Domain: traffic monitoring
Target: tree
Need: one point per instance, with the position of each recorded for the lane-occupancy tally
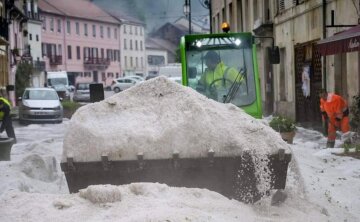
(22, 77)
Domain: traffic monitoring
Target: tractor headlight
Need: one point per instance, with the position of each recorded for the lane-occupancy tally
(237, 42)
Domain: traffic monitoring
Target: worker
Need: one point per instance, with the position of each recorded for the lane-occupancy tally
(5, 118)
(217, 75)
(334, 109)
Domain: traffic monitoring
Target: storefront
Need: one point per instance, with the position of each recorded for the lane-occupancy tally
(345, 64)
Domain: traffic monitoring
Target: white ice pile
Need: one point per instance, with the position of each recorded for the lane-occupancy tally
(160, 117)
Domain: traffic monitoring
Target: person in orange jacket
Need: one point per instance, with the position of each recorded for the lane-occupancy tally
(335, 110)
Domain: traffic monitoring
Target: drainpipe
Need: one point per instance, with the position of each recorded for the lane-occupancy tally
(65, 52)
(324, 85)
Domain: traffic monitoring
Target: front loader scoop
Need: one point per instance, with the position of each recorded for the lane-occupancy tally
(233, 177)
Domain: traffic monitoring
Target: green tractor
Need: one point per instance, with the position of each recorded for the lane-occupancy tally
(235, 51)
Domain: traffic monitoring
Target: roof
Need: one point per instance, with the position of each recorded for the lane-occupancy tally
(157, 43)
(76, 8)
(346, 41)
(125, 18)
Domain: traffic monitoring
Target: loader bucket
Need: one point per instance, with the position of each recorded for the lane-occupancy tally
(233, 177)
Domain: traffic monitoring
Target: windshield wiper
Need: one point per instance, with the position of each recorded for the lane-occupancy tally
(235, 86)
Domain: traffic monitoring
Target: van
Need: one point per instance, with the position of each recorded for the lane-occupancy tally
(170, 70)
(60, 82)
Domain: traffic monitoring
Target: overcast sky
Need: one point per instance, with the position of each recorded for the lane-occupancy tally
(154, 13)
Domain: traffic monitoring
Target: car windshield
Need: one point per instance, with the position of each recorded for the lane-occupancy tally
(40, 95)
(57, 81)
(83, 86)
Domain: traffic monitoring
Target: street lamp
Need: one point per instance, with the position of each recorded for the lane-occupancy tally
(187, 12)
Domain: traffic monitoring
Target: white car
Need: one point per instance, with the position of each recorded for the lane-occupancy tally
(138, 78)
(40, 105)
(122, 83)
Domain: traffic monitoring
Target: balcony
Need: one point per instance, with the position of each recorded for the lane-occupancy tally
(96, 61)
(263, 28)
(55, 59)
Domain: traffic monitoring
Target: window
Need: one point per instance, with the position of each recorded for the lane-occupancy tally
(68, 27)
(77, 26)
(102, 53)
(141, 45)
(131, 44)
(30, 37)
(43, 49)
(37, 38)
(141, 31)
(124, 28)
(101, 31)
(126, 61)
(136, 30)
(59, 26)
(86, 54)
(281, 5)
(94, 30)
(136, 45)
(142, 62)
(78, 56)
(118, 55)
(137, 62)
(130, 29)
(125, 45)
(85, 29)
(59, 50)
(109, 32)
(156, 60)
(115, 33)
(69, 51)
(43, 20)
(52, 24)
(109, 54)
(131, 61)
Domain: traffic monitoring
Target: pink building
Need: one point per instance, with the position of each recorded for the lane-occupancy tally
(80, 38)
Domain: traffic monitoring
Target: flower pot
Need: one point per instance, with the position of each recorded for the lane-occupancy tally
(5, 148)
(288, 136)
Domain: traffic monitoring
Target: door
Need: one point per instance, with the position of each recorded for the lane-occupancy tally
(95, 76)
(308, 106)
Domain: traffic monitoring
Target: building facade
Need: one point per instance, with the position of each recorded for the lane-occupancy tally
(132, 45)
(156, 56)
(76, 41)
(32, 42)
(297, 27)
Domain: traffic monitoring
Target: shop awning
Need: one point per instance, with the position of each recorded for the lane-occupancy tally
(346, 41)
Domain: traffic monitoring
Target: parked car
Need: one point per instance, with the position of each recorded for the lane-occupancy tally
(138, 78)
(40, 105)
(151, 75)
(82, 92)
(122, 83)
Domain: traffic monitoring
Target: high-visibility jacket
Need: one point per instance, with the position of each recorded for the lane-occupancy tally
(221, 71)
(334, 106)
(6, 102)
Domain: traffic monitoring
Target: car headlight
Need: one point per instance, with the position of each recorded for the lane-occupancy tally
(25, 107)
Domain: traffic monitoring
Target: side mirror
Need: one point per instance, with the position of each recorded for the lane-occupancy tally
(192, 72)
(274, 55)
